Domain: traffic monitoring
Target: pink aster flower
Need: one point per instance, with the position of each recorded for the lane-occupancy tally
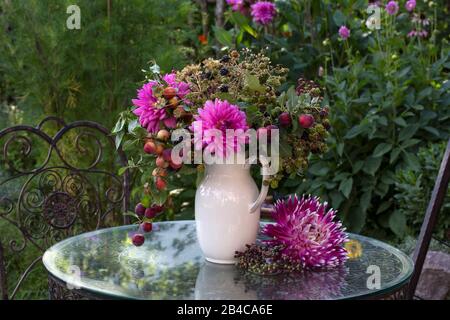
(149, 115)
(236, 5)
(392, 8)
(344, 32)
(211, 125)
(307, 232)
(410, 5)
(263, 12)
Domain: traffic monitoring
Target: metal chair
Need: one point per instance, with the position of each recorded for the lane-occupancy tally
(57, 185)
(426, 232)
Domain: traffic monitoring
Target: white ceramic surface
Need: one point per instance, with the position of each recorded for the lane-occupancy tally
(223, 204)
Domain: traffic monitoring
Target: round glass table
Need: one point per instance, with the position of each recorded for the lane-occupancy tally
(104, 264)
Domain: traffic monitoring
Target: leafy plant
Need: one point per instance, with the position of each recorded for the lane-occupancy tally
(413, 190)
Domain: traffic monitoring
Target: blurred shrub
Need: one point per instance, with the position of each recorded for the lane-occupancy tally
(89, 73)
(413, 191)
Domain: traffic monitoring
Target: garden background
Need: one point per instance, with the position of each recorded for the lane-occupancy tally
(388, 89)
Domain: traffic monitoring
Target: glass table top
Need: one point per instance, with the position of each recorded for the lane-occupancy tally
(170, 265)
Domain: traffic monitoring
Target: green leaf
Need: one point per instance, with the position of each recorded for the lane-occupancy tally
(408, 132)
(339, 18)
(340, 149)
(122, 170)
(365, 200)
(119, 138)
(371, 165)
(384, 206)
(382, 149)
(356, 219)
(355, 131)
(119, 125)
(397, 223)
(411, 160)
(133, 125)
(394, 155)
(223, 36)
(357, 166)
(155, 69)
(252, 82)
(131, 214)
(318, 169)
(346, 187)
(433, 131)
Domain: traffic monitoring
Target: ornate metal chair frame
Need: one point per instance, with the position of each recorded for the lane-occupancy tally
(60, 208)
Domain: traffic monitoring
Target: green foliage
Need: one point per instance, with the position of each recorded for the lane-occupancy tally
(413, 190)
(89, 73)
(387, 94)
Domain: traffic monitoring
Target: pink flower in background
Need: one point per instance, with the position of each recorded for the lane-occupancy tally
(182, 87)
(415, 33)
(236, 5)
(392, 8)
(216, 117)
(263, 12)
(307, 233)
(410, 5)
(344, 32)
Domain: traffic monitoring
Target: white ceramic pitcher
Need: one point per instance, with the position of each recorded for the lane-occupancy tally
(227, 211)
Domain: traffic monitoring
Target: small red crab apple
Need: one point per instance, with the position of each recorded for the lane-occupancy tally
(169, 93)
(285, 119)
(306, 121)
(161, 163)
(140, 210)
(138, 239)
(160, 183)
(163, 135)
(150, 147)
(147, 226)
(150, 213)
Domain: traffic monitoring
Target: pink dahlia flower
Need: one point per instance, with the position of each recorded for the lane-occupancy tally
(307, 233)
(344, 32)
(263, 12)
(211, 125)
(150, 116)
(392, 8)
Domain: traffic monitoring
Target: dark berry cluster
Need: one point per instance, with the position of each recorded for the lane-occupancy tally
(265, 260)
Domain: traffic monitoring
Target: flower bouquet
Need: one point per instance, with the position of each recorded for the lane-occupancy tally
(220, 117)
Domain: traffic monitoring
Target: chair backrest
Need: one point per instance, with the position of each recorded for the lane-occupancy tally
(426, 231)
(54, 185)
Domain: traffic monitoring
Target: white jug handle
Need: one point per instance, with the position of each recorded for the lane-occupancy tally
(264, 187)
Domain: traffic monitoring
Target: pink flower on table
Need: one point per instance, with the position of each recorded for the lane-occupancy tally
(211, 124)
(344, 32)
(307, 232)
(392, 8)
(236, 5)
(410, 5)
(263, 12)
